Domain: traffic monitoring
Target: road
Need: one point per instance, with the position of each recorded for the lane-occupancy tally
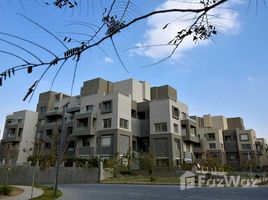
(157, 192)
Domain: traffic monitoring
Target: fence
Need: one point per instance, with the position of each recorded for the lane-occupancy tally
(22, 175)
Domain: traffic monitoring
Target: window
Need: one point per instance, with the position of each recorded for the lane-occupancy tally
(141, 115)
(178, 145)
(123, 123)
(19, 121)
(176, 128)
(244, 137)
(212, 145)
(228, 138)
(89, 108)
(82, 123)
(106, 141)
(231, 157)
(184, 115)
(175, 112)
(246, 146)
(107, 123)
(211, 136)
(71, 145)
(56, 108)
(106, 107)
(41, 122)
(20, 132)
(85, 142)
(160, 127)
(69, 130)
(43, 109)
(183, 129)
(133, 113)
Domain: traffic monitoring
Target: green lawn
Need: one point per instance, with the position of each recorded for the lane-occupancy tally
(48, 193)
(142, 180)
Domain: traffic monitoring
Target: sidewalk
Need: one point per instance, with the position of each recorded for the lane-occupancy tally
(26, 194)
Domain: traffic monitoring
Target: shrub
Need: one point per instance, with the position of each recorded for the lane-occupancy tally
(187, 166)
(5, 190)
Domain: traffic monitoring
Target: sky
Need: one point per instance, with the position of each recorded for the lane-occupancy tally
(227, 75)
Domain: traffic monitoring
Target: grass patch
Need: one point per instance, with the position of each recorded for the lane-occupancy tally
(48, 193)
(5, 190)
(142, 180)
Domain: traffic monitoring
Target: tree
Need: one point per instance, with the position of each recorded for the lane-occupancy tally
(115, 17)
(147, 163)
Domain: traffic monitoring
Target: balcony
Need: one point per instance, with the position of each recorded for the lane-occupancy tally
(189, 131)
(14, 138)
(187, 156)
(51, 125)
(86, 151)
(52, 113)
(73, 109)
(70, 152)
(84, 124)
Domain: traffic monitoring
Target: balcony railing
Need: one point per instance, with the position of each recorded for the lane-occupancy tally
(86, 151)
(187, 155)
(54, 112)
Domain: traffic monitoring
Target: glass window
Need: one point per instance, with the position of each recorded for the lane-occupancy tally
(43, 109)
(107, 123)
(123, 123)
(106, 107)
(246, 146)
(228, 138)
(106, 141)
(176, 128)
(86, 142)
(212, 145)
(175, 112)
(20, 132)
(211, 136)
(160, 127)
(89, 108)
(244, 137)
(82, 123)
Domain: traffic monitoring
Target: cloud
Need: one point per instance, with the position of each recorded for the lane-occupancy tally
(250, 78)
(108, 60)
(225, 19)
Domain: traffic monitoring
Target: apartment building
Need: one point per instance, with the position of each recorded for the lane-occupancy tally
(111, 119)
(172, 132)
(227, 140)
(262, 153)
(18, 137)
(211, 138)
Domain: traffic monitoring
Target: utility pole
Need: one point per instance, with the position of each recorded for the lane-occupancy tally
(60, 147)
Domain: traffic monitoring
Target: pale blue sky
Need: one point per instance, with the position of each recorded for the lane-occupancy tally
(227, 76)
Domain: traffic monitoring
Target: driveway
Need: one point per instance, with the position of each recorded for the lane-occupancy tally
(157, 192)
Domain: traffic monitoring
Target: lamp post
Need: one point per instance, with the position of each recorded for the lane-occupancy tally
(60, 146)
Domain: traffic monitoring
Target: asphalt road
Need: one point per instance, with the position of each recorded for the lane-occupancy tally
(157, 192)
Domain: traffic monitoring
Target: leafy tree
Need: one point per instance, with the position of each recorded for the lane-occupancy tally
(147, 163)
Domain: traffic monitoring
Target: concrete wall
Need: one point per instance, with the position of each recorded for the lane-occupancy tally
(139, 90)
(22, 175)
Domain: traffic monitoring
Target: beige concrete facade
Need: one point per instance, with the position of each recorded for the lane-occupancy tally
(18, 137)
